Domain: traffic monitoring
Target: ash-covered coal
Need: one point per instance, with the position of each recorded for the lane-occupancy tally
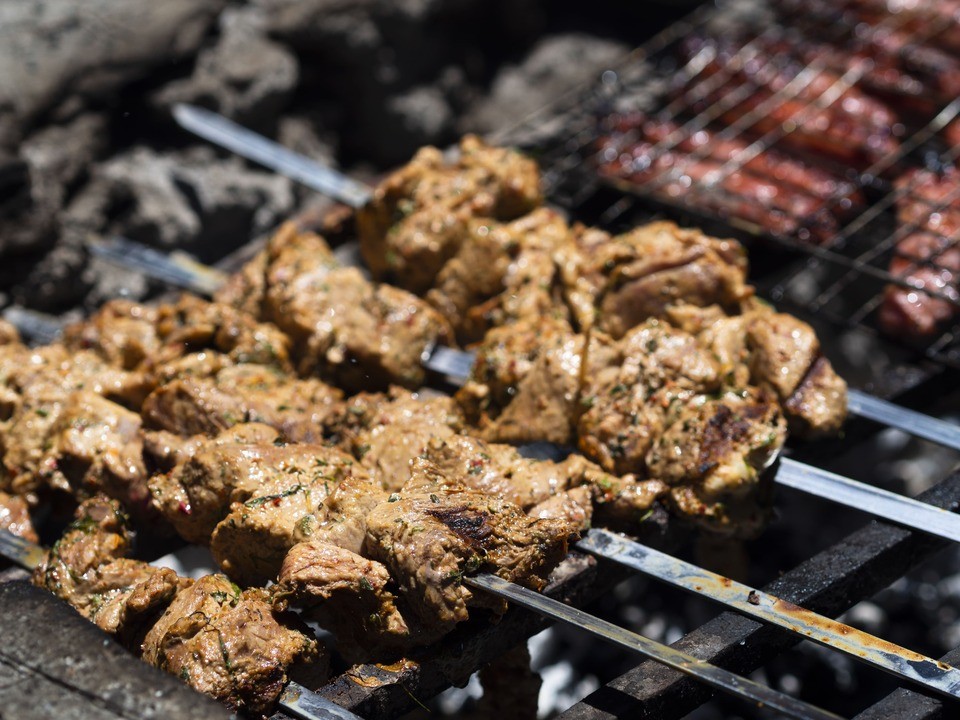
(88, 147)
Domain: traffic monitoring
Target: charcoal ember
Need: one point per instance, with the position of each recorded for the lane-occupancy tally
(245, 76)
(392, 66)
(106, 281)
(58, 51)
(59, 156)
(191, 199)
(52, 282)
(299, 133)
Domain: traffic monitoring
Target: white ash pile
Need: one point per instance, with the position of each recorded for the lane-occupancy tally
(88, 148)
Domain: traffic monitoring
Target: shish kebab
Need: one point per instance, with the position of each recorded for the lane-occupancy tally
(895, 660)
(456, 365)
(304, 703)
(248, 144)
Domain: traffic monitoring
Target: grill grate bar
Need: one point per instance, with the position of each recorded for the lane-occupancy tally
(707, 673)
(898, 661)
(828, 583)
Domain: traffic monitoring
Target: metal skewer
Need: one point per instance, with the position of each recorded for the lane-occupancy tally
(246, 143)
(711, 675)
(903, 663)
(295, 699)
(251, 145)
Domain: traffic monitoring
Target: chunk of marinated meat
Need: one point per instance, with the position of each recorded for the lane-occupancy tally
(229, 644)
(393, 432)
(193, 324)
(435, 530)
(350, 596)
(54, 369)
(574, 489)
(785, 355)
(329, 499)
(615, 283)
(354, 333)
(15, 517)
(629, 387)
(713, 454)
(503, 273)
(776, 351)
(35, 387)
(122, 332)
(525, 383)
(87, 567)
(417, 218)
(200, 493)
(572, 506)
(130, 596)
(245, 290)
(242, 394)
(163, 451)
(96, 447)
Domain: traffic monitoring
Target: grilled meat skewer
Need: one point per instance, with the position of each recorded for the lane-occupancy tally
(228, 643)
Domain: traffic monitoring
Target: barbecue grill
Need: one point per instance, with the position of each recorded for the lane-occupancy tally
(837, 287)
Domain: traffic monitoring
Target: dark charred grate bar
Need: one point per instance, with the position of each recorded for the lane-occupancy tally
(711, 120)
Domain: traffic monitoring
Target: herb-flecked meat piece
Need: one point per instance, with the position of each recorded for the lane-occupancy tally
(353, 597)
(525, 383)
(122, 332)
(503, 272)
(629, 387)
(615, 283)
(96, 447)
(574, 488)
(207, 405)
(354, 333)
(712, 455)
(778, 351)
(200, 493)
(327, 499)
(418, 217)
(129, 336)
(89, 569)
(387, 432)
(435, 529)
(35, 387)
(229, 644)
